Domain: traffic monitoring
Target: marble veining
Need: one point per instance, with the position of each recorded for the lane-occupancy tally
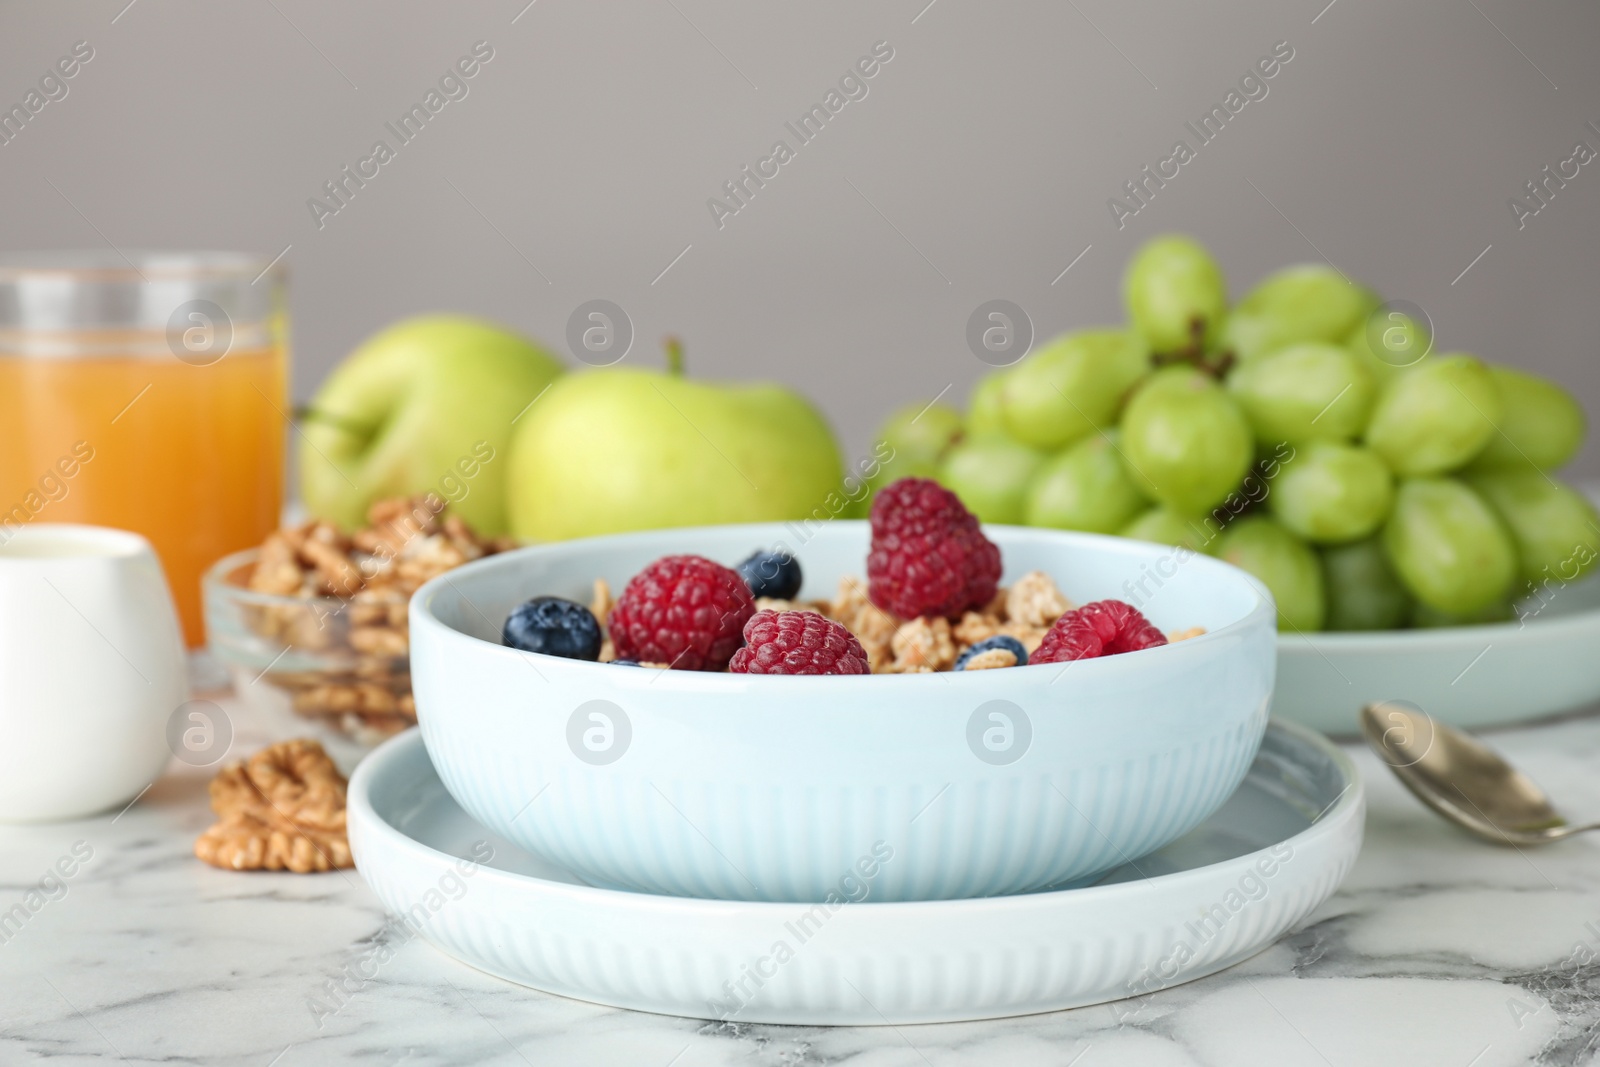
(1437, 950)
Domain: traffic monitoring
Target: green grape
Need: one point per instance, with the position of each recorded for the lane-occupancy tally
(1448, 546)
(1426, 618)
(1331, 493)
(1540, 423)
(1556, 530)
(1175, 294)
(1087, 487)
(922, 430)
(1310, 302)
(983, 407)
(1284, 564)
(1186, 440)
(914, 438)
(1388, 343)
(1436, 416)
(991, 476)
(1306, 392)
(1166, 527)
(1364, 593)
(1072, 386)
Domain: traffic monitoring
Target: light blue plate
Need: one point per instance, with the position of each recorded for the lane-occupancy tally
(1467, 676)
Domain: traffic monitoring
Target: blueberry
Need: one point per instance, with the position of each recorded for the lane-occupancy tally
(1005, 641)
(555, 627)
(624, 663)
(771, 574)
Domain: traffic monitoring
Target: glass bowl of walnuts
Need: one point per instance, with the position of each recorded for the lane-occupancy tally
(313, 622)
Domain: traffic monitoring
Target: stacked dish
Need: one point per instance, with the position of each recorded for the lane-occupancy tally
(986, 842)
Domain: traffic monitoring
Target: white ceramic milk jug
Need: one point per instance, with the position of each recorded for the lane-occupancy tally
(92, 666)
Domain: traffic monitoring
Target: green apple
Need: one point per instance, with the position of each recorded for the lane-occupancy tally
(624, 449)
(425, 405)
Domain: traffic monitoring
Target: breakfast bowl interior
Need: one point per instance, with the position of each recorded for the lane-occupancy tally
(888, 787)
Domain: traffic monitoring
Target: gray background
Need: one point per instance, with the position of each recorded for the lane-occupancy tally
(978, 166)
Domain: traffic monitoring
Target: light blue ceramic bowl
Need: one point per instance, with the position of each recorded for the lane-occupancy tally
(882, 787)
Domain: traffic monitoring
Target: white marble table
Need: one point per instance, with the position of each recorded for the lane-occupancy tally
(1438, 950)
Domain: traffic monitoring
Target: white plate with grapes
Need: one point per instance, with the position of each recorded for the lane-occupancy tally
(1398, 501)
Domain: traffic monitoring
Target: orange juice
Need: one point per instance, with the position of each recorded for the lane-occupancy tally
(189, 456)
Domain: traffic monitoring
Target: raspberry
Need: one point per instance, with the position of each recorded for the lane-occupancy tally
(1104, 628)
(797, 642)
(684, 611)
(928, 555)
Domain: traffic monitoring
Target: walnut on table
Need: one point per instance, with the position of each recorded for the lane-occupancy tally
(281, 809)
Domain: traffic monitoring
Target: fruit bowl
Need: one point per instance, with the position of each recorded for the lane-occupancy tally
(825, 789)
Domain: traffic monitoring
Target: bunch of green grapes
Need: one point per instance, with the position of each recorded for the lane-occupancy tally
(1306, 434)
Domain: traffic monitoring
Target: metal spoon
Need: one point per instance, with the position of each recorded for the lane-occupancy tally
(1462, 779)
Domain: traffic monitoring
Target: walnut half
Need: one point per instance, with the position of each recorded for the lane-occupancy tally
(282, 809)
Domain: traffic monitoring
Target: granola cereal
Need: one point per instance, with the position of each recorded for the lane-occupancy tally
(600, 603)
(1026, 610)
(923, 643)
(991, 659)
(873, 626)
(1030, 636)
(974, 627)
(1035, 601)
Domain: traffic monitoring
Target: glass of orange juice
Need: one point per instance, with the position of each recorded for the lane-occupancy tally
(146, 392)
